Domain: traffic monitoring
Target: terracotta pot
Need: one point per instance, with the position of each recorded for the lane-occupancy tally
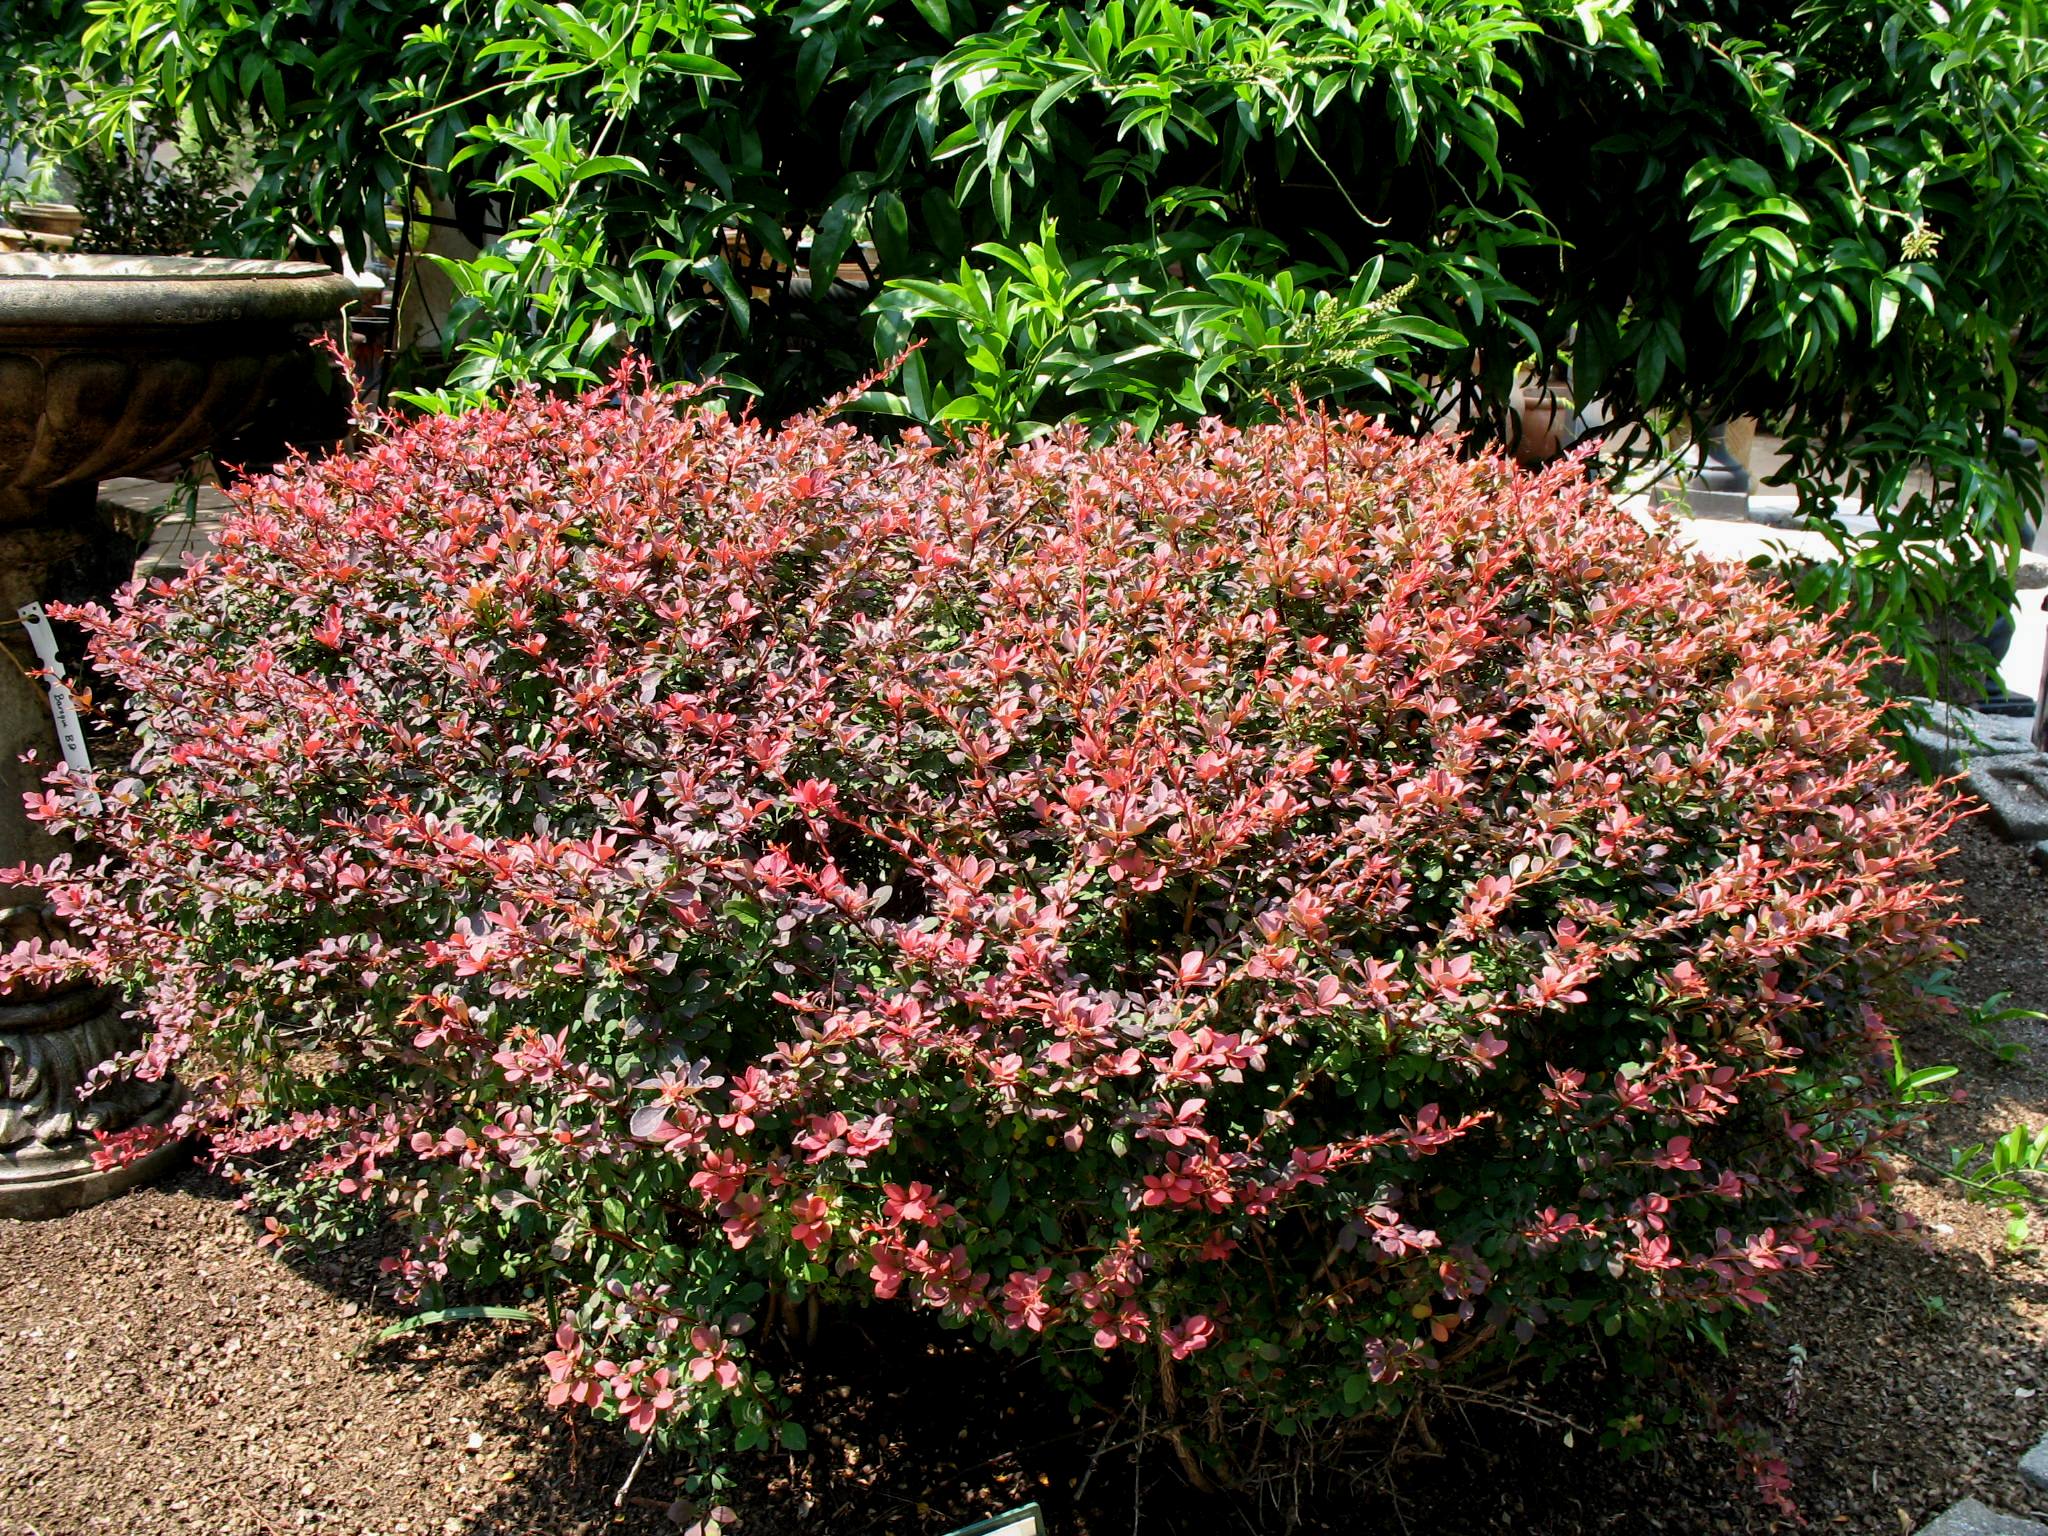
(1740, 436)
(1542, 417)
(49, 219)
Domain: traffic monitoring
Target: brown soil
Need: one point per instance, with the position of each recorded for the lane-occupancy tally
(162, 1373)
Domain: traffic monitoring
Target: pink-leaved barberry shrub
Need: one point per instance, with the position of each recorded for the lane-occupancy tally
(1289, 910)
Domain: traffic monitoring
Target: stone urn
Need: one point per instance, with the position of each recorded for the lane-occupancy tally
(109, 365)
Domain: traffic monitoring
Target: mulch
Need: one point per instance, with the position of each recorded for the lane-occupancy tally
(161, 1373)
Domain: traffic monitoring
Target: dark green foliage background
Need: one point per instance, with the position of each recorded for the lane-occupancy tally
(1829, 215)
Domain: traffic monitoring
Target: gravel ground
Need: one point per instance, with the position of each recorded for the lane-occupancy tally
(161, 1373)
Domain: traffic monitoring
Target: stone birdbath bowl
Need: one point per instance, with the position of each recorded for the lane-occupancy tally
(109, 365)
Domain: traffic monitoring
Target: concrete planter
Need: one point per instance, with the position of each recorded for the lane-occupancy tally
(108, 365)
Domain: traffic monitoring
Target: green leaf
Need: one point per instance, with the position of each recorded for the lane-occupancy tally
(814, 63)
(1416, 328)
(441, 1315)
(699, 65)
(718, 272)
(605, 165)
(889, 221)
(942, 221)
(1709, 1328)
(939, 14)
(833, 236)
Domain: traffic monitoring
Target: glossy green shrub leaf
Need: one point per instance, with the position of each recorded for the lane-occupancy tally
(1831, 216)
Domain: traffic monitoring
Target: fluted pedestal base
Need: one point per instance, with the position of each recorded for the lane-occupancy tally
(39, 1180)
(48, 1047)
(54, 546)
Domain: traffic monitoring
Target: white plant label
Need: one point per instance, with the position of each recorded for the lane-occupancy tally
(63, 709)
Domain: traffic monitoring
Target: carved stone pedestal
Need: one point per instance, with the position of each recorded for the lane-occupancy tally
(108, 366)
(47, 1145)
(54, 546)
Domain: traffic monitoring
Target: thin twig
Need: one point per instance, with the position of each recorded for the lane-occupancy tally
(1138, 1467)
(1500, 1402)
(619, 1498)
(1102, 1445)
